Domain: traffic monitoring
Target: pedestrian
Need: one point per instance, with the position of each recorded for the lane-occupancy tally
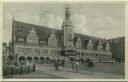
(82, 60)
(56, 65)
(21, 69)
(90, 67)
(34, 67)
(63, 63)
(60, 67)
(12, 71)
(28, 65)
(87, 60)
(77, 66)
(73, 65)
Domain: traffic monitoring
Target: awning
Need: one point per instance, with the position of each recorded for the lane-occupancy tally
(69, 50)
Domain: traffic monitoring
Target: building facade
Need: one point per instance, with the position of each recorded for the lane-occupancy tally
(39, 42)
(117, 47)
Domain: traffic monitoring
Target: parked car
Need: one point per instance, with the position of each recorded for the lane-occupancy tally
(108, 61)
(105, 61)
(95, 61)
(112, 60)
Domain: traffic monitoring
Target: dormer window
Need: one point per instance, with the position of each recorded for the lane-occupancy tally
(20, 34)
(52, 41)
(19, 28)
(78, 43)
(100, 47)
(32, 37)
(90, 45)
(107, 47)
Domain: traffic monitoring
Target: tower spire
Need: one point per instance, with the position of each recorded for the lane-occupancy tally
(67, 13)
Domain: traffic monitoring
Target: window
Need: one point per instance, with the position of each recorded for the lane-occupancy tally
(91, 54)
(110, 55)
(37, 51)
(103, 55)
(87, 54)
(70, 37)
(106, 55)
(100, 55)
(52, 51)
(95, 55)
(58, 51)
(52, 40)
(55, 52)
(28, 50)
(82, 53)
(19, 28)
(78, 53)
(20, 49)
(45, 51)
(32, 37)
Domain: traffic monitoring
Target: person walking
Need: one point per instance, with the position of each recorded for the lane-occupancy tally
(87, 60)
(77, 66)
(82, 60)
(73, 65)
(63, 63)
(60, 65)
(56, 65)
(90, 67)
(34, 67)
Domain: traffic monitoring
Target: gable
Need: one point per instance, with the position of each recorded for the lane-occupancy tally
(42, 32)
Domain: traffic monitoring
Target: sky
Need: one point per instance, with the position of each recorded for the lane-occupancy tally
(103, 20)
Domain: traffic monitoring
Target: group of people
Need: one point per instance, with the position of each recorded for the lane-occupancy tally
(75, 65)
(59, 64)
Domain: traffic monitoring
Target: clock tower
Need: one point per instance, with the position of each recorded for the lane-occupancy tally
(68, 29)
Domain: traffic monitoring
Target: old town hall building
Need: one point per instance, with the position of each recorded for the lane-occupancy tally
(36, 42)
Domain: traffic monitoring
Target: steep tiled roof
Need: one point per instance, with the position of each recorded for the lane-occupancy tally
(85, 39)
(44, 32)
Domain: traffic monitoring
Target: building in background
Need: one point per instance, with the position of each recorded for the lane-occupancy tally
(4, 48)
(33, 42)
(5, 52)
(118, 48)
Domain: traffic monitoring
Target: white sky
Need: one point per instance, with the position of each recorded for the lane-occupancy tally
(104, 20)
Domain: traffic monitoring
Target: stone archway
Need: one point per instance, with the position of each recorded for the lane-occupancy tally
(42, 59)
(22, 59)
(47, 59)
(36, 59)
(11, 57)
(71, 58)
(82, 60)
(29, 58)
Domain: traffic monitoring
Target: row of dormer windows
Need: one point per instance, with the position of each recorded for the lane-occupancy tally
(52, 41)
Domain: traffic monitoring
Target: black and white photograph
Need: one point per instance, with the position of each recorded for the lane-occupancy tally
(60, 40)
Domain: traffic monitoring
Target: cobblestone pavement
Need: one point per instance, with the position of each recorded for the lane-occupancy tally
(48, 72)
